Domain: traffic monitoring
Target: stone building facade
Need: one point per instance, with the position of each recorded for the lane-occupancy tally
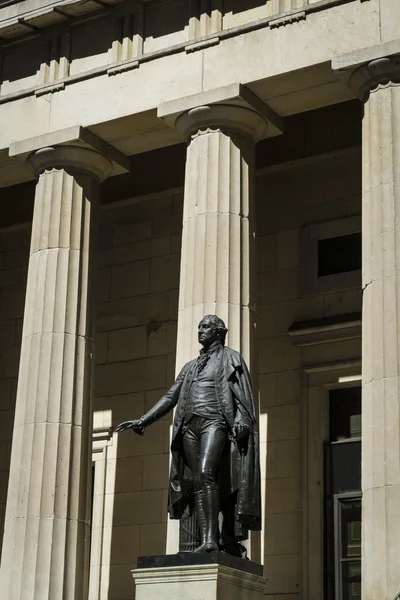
(165, 159)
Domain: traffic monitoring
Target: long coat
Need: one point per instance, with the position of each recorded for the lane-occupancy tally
(233, 388)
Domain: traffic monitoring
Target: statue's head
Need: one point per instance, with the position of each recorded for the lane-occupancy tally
(211, 329)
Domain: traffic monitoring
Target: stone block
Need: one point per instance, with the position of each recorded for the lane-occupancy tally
(270, 460)
(120, 583)
(171, 369)
(155, 472)
(12, 303)
(105, 238)
(173, 304)
(154, 441)
(267, 321)
(127, 344)
(5, 452)
(10, 240)
(132, 279)
(289, 533)
(119, 378)
(9, 362)
(136, 508)
(103, 284)
(133, 232)
(6, 424)
(347, 301)
(167, 226)
(267, 390)
(163, 339)
(270, 533)
(283, 422)
(263, 425)
(287, 457)
(275, 286)
(176, 243)
(122, 406)
(128, 473)
(125, 543)
(266, 253)
(101, 348)
(153, 539)
(3, 486)
(284, 573)
(9, 277)
(165, 273)
(132, 312)
(288, 249)
(7, 334)
(283, 495)
(289, 387)
(177, 203)
(137, 212)
(135, 251)
(16, 258)
(278, 354)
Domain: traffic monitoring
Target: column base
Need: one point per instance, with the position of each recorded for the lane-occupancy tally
(189, 576)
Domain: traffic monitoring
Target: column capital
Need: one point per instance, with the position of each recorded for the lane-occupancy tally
(225, 117)
(234, 108)
(374, 73)
(365, 70)
(66, 148)
(71, 158)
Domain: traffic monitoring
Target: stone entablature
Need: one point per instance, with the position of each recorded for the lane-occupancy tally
(129, 34)
(22, 18)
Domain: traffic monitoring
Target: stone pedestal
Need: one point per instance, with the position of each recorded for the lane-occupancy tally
(376, 85)
(45, 547)
(214, 576)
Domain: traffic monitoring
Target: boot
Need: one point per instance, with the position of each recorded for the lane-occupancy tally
(201, 520)
(210, 505)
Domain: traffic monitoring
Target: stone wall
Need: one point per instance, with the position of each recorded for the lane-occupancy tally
(136, 341)
(138, 278)
(290, 197)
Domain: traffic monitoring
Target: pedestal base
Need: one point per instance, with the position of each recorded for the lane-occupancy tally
(189, 576)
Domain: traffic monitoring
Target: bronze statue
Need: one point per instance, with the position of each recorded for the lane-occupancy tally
(215, 447)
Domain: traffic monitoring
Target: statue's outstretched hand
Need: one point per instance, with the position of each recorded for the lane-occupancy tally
(137, 426)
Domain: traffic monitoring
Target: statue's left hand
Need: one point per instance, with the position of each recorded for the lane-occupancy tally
(240, 431)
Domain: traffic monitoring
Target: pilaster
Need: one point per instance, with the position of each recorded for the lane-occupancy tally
(45, 548)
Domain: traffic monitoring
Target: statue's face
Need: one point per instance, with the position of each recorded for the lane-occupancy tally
(207, 333)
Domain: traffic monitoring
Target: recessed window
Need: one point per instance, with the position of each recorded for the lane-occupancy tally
(339, 254)
(331, 256)
(345, 413)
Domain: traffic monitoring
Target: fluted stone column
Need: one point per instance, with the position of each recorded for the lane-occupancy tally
(377, 85)
(218, 243)
(46, 534)
(218, 239)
